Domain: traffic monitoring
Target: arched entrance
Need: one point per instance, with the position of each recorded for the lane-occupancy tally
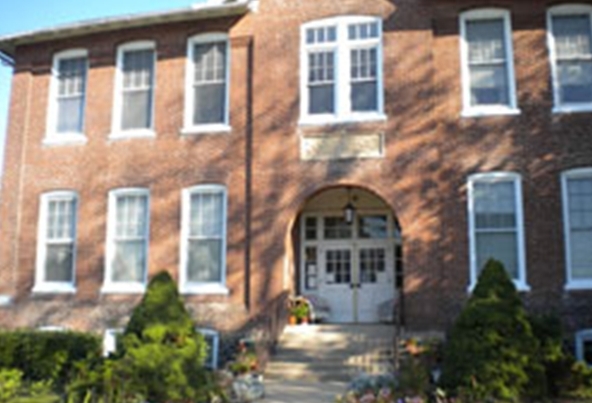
(353, 264)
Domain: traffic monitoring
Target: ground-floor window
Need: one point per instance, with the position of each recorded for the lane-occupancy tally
(212, 339)
(577, 219)
(496, 228)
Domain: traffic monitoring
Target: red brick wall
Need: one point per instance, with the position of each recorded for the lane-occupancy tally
(429, 153)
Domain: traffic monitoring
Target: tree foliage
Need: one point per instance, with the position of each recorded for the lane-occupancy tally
(491, 350)
(162, 353)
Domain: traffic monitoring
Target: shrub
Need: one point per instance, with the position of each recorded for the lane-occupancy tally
(46, 356)
(162, 352)
(491, 348)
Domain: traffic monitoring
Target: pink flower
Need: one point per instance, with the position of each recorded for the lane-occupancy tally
(368, 398)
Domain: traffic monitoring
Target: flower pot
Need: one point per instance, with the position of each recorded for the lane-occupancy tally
(292, 320)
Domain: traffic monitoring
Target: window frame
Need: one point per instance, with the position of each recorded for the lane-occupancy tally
(582, 336)
(341, 48)
(188, 126)
(52, 136)
(571, 283)
(565, 10)
(487, 110)
(117, 132)
(124, 287)
(206, 332)
(41, 285)
(186, 287)
(493, 177)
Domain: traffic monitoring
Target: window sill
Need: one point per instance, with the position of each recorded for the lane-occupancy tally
(318, 120)
(64, 139)
(581, 108)
(578, 285)
(205, 129)
(520, 287)
(54, 288)
(132, 134)
(123, 288)
(204, 289)
(489, 111)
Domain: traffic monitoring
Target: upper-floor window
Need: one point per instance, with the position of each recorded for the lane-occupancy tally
(203, 240)
(577, 221)
(127, 241)
(56, 243)
(134, 90)
(65, 122)
(496, 228)
(570, 48)
(487, 64)
(206, 88)
(341, 70)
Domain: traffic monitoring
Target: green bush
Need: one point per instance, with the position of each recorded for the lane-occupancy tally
(46, 356)
(162, 353)
(10, 384)
(491, 348)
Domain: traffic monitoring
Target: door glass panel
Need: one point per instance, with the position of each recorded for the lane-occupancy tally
(338, 266)
(337, 228)
(310, 231)
(372, 227)
(372, 261)
(310, 267)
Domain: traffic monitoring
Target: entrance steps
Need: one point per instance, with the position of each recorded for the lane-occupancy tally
(332, 352)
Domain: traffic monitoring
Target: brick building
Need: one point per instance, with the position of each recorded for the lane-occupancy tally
(357, 151)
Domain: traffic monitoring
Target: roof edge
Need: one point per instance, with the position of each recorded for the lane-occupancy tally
(210, 9)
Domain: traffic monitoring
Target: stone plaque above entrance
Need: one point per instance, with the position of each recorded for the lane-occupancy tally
(342, 146)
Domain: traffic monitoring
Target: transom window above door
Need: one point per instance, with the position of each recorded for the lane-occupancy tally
(333, 227)
(341, 65)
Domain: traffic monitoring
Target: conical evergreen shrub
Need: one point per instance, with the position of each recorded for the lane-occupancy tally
(162, 354)
(490, 354)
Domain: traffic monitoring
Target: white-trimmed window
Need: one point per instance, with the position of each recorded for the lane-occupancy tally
(56, 243)
(206, 84)
(110, 340)
(577, 222)
(212, 339)
(584, 346)
(341, 70)
(487, 65)
(203, 240)
(67, 96)
(133, 108)
(127, 241)
(570, 48)
(496, 229)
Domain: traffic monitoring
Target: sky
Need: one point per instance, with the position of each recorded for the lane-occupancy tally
(26, 15)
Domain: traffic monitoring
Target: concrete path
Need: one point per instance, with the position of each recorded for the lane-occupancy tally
(301, 392)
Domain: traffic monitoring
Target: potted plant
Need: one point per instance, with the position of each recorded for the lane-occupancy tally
(300, 310)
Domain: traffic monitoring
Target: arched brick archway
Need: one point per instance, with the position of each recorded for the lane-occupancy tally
(353, 267)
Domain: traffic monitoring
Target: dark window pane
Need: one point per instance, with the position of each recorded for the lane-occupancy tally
(58, 264)
(322, 99)
(129, 261)
(364, 96)
(572, 35)
(204, 263)
(575, 81)
(137, 107)
(485, 40)
(70, 112)
(489, 85)
(210, 103)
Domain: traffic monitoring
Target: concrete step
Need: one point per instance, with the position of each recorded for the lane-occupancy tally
(322, 353)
